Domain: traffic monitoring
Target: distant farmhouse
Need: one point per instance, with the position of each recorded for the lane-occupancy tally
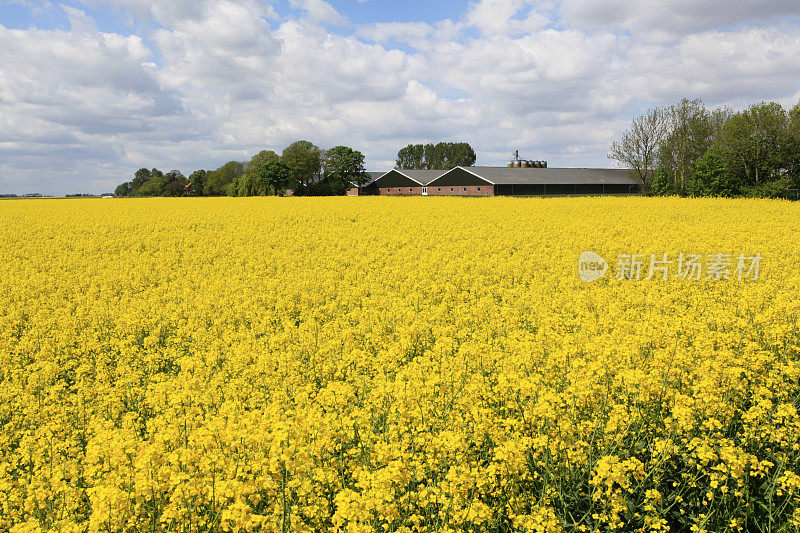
(373, 177)
(519, 177)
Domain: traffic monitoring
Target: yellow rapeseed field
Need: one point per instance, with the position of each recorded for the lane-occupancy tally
(397, 364)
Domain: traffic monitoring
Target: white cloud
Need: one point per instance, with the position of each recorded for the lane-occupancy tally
(493, 17)
(402, 32)
(663, 20)
(209, 81)
(319, 11)
(175, 11)
(67, 98)
(228, 46)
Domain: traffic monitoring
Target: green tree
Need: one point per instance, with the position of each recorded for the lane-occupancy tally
(343, 169)
(175, 183)
(123, 189)
(691, 132)
(431, 157)
(411, 157)
(710, 177)
(197, 179)
(439, 156)
(219, 182)
(249, 183)
(661, 184)
(460, 154)
(792, 157)
(274, 176)
(154, 186)
(754, 143)
(305, 161)
(140, 177)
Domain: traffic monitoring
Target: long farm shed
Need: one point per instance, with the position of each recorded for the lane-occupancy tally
(506, 181)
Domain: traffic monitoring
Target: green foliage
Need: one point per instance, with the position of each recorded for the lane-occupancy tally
(660, 184)
(710, 178)
(441, 156)
(153, 186)
(300, 168)
(792, 163)
(343, 169)
(411, 157)
(249, 183)
(692, 130)
(175, 183)
(273, 177)
(305, 161)
(780, 188)
(754, 143)
(140, 178)
(197, 180)
(123, 189)
(687, 149)
(222, 181)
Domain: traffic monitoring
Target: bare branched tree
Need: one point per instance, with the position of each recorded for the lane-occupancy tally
(638, 148)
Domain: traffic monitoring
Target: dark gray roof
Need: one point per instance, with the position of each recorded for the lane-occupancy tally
(423, 177)
(556, 176)
(372, 177)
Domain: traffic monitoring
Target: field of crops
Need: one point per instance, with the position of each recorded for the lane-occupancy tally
(397, 364)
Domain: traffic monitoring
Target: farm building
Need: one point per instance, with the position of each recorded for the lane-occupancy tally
(365, 188)
(519, 177)
(496, 181)
(403, 182)
(489, 181)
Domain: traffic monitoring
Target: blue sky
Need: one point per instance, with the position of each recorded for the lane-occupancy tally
(47, 15)
(91, 90)
(394, 11)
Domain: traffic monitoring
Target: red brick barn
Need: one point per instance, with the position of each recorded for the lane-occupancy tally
(399, 182)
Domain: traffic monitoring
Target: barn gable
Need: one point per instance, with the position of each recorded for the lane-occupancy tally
(394, 178)
(407, 178)
(458, 177)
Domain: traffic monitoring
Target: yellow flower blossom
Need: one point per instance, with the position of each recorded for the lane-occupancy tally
(394, 364)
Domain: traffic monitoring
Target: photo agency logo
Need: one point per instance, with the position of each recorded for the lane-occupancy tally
(591, 266)
(693, 267)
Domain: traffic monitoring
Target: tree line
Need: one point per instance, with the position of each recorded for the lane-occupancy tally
(688, 149)
(439, 156)
(302, 167)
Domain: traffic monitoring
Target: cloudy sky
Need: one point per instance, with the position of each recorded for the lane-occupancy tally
(91, 90)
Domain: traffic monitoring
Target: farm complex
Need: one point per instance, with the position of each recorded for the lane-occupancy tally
(499, 181)
(518, 177)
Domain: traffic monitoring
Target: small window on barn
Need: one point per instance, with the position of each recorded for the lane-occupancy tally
(410, 189)
(451, 189)
(465, 189)
(479, 189)
(439, 189)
